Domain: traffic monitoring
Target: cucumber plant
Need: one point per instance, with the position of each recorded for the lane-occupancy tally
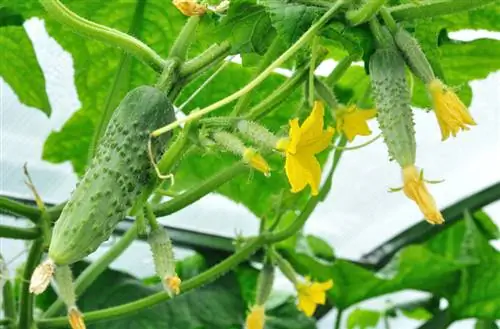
(262, 151)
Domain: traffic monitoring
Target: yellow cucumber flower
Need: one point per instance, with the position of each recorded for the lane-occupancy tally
(415, 189)
(300, 148)
(190, 7)
(312, 294)
(352, 121)
(256, 318)
(75, 318)
(255, 160)
(451, 113)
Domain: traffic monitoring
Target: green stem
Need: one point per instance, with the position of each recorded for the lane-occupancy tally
(312, 68)
(432, 8)
(19, 209)
(388, 20)
(184, 39)
(199, 191)
(377, 32)
(169, 77)
(199, 64)
(19, 233)
(90, 274)
(278, 96)
(150, 215)
(340, 69)
(120, 81)
(254, 83)
(103, 33)
(364, 13)
(175, 150)
(26, 299)
(338, 319)
(9, 305)
(269, 56)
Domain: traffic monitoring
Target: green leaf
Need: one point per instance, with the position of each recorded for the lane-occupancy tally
(9, 17)
(96, 65)
(320, 248)
(18, 64)
(249, 27)
(363, 319)
(290, 19)
(247, 277)
(478, 294)
(418, 313)
(486, 225)
(486, 324)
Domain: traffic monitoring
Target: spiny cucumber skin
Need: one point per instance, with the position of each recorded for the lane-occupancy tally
(119, 172)
(414, 56)
(392, 98)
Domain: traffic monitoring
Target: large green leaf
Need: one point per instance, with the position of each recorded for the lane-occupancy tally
(18, 63)
(248, 27)
(291, 19)
(479, 292)
(363, 319)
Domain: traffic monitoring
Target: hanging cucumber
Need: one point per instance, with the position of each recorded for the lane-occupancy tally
(119, 173)
(392, 98)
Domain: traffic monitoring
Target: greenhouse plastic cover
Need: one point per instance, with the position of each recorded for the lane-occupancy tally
(358, 214)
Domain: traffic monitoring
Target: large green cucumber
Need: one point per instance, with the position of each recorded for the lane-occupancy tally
(392, 98)
(119, 173)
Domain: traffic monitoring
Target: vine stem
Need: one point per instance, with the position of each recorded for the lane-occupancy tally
(19, 233)
(365, 12)
(90, 274)
(212, 55)
(431, 8)
(270, 54)
(103, 33)
(261, 77)
(20, 209)
(184, 39)
(26, 300)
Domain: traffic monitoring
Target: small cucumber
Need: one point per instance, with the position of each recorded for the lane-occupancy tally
(415, 57)
(392, 97)
(119, 173)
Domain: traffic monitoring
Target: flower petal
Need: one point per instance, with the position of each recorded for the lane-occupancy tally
(295, 136)
(415, 189)
(312, 128)
(296, 173)
(353, 122)
(306, 305)
(319, 144)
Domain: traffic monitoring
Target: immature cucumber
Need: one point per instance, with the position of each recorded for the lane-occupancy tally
(392, 97)
(415, 57)
(120, 171)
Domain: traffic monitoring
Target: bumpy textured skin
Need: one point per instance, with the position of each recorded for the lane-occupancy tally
(119, 172)
(415, 57)
(392, 98)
